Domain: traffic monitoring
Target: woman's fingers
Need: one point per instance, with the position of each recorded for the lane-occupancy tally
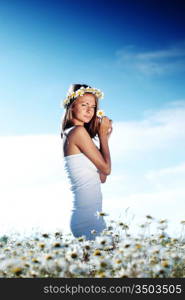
(106, 124)
(110, 127)
(110, 123)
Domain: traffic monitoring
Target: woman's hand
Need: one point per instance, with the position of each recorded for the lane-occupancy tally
(110, 129)
(103, 177)
(104, 126)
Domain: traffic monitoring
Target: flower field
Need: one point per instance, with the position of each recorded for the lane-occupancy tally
(113, 254)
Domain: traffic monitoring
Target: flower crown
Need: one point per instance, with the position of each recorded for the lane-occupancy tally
(80, 92)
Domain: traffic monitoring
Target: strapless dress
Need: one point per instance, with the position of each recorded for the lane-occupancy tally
(85, 185)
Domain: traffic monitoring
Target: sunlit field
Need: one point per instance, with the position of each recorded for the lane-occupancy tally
(113, 254)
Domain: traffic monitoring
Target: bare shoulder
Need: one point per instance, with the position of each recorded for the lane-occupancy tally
(75, 131)
(79, 131)
(69, 145)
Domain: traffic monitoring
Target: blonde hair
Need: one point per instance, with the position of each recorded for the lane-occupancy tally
(91, 127)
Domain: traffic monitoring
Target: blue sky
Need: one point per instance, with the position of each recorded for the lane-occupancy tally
(134, 51)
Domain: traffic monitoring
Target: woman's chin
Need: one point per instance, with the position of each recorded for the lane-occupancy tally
(87, 120)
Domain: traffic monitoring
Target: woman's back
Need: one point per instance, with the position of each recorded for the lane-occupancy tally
(69, 147)
(79, 168)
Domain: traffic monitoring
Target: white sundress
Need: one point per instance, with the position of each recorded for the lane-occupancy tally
(85, 185)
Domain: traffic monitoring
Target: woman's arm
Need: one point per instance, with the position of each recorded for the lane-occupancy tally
(101, 159)
(104, 150)
(103, 177)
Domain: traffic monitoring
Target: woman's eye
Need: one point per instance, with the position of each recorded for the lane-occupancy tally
(91, 107)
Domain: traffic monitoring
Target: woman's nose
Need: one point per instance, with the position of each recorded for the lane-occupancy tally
(88, 109)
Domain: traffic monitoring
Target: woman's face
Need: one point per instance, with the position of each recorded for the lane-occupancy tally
(83, 109)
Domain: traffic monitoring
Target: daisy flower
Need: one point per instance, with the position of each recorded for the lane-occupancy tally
(100, 113)
(102, 242)
(80, 92)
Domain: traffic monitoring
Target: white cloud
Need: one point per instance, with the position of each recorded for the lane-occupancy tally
(156, 62)
(158, 130)
(164, 204)
(175, 171)
(35, 192)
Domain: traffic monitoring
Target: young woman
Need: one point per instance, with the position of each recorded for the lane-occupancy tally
(86, 165)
